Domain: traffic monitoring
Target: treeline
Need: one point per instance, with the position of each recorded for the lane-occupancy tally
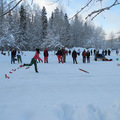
(28, 28)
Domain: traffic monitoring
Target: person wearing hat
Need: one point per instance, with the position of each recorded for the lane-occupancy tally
(45, 53)
(34, 60)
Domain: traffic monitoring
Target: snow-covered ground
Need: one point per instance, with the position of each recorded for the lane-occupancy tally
(60, 91)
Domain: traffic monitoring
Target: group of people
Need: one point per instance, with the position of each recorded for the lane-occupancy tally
(84, 55)
(16, 55)
(61, 54)
(33, 60)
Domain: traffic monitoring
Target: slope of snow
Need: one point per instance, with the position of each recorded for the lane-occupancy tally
(60, 91)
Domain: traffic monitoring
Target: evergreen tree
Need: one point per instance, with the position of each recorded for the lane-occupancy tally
(66, 32)
(22, 43)
(35, 28)
(44, 23)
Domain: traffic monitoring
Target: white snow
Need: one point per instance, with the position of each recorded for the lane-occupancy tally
(60, 91)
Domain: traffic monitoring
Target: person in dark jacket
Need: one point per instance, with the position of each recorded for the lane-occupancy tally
(59, 54)
(109, 52)
(45, 53)
(105, 52)
(88, 56)
(69, 52)
(91, 52)
(13, 54)
(84, 56)
(74, 56)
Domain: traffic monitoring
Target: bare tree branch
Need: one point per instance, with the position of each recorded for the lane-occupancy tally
(94, 13)
(53, 2)
(97, 12)
(81, 9)
(11, 8)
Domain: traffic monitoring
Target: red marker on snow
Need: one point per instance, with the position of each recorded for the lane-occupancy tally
(6, 76)
(21, 66)
(118, 64)
(84, 70)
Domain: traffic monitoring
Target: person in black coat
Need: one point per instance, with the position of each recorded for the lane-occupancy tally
(74, 56)
(109, 52)
(88, 56)
(13, 54)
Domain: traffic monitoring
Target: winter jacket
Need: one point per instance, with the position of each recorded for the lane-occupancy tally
(63, 52)
(88, 54)
(37, 56)
(74, 54)
(13, 53)
(84, 53)
(18, 53)
(45, 53)
(59, 52)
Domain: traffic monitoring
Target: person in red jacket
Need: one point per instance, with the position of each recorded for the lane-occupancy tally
(45, 53)
(84, 56)
(34, 60)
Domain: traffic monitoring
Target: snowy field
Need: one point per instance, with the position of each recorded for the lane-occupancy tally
(60, 91)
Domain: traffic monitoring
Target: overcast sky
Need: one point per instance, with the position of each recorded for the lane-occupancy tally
(108, 20)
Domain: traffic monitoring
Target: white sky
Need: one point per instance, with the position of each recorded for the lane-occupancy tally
(108, 20)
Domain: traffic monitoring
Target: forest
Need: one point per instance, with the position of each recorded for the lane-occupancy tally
(28, 27)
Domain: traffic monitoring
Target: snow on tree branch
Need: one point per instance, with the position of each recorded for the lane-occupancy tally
(12, 7)
(94, 13)
(97, 12)
(81, 9)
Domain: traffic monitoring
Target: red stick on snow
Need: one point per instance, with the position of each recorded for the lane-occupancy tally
(83, 70)
(118, 64)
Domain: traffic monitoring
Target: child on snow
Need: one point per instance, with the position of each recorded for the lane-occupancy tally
(34, 60)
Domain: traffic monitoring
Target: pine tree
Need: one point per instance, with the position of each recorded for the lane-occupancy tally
(23, 36)
(66, 31)
(44, 23)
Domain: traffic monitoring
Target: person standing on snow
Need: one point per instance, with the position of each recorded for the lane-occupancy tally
(64, 52)
(109, 52)
(34, 60)
(74, 56)
(88, 56)
(84, 56)
(117, 52)
(19, 56)
(13, 54)
(45, 53)
(59, 54)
